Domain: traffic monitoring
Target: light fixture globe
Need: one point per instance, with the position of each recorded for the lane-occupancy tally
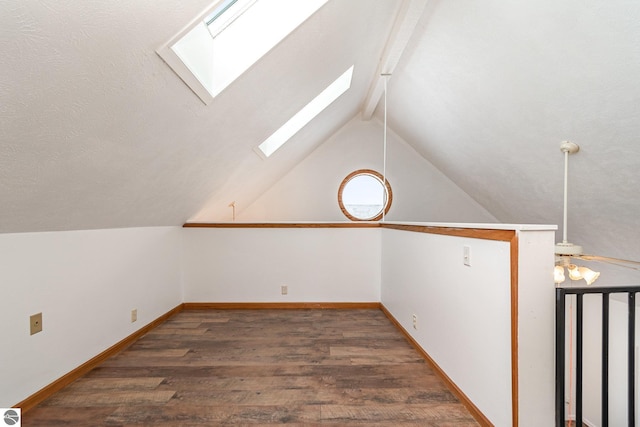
(588, 275)
(558, 274)
(574, 272)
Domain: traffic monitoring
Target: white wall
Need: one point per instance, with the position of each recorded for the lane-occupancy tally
(309, 192)
(463, 312)
(536, 328)
(464, 315)
(85, 283)
(250, 265)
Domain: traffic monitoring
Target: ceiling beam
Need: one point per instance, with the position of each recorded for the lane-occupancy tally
(403, 28)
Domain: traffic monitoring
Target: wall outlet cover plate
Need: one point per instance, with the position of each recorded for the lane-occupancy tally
(35, 323)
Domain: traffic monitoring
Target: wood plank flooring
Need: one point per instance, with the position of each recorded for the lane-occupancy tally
(260, 367)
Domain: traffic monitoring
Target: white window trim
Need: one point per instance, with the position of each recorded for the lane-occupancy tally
(175, 63)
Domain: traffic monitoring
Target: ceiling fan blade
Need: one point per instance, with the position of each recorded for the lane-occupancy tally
(635, 265)
(605, 258)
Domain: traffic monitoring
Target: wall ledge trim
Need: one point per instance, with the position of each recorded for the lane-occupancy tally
(361, 224)
(475, 233)
(493, 230)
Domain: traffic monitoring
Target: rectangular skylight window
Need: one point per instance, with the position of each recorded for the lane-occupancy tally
(233, 35)
(304, 116)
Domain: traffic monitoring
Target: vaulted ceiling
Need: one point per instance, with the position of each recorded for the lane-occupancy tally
(97, 132)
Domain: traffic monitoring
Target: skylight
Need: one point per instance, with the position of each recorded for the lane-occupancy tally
(304, 116)
(221, 45)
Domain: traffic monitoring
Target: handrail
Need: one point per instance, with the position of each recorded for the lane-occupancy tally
(561, 295)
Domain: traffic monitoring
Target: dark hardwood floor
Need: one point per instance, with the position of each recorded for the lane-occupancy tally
(260, 367)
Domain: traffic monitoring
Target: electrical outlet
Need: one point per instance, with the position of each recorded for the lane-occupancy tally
(466, 256)
(35, 322)
(415, 321)
(134, 315)
(284, 289)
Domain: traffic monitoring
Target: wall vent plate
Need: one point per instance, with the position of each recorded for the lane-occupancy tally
(35, 323)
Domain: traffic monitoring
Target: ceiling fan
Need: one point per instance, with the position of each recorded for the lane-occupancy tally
(565, 250)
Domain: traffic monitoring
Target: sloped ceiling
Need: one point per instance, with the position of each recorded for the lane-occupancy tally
(488, 90)
(97, 132)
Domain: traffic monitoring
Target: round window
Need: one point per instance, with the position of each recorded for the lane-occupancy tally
(364, 195)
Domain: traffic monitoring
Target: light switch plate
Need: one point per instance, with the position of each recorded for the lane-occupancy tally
(466, 257)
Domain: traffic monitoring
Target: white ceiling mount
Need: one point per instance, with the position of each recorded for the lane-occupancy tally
(565, 248)
(569, 147)
(568, 249)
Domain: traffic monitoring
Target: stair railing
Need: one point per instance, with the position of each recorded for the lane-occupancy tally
(561, 297)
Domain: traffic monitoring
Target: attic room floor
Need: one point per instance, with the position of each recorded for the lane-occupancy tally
(260, 367)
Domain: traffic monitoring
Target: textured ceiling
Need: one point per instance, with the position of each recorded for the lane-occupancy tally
(502, 83)
(97, 132)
